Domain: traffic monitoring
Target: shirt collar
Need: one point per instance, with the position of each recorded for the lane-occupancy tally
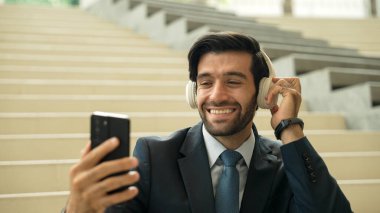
(215, 148)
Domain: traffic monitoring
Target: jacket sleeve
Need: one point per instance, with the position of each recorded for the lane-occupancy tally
(140, 202)
(315, 190)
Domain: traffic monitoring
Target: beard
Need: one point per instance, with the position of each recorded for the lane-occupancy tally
(232, 127)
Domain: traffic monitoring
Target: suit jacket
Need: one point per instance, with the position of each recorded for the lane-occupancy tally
(175, 177)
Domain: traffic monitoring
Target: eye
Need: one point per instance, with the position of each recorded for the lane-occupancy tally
(233, 82)
(205, 84)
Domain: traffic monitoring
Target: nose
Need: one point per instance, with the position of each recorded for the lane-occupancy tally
(219, 92)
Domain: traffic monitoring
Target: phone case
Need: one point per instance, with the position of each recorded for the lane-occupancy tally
(108, 125)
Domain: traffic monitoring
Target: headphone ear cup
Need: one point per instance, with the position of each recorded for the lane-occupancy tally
(264, 86)
(191, 94)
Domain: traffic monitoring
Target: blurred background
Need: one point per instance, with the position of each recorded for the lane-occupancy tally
(60, 60)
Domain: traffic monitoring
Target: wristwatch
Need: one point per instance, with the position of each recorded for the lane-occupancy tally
(285, 124)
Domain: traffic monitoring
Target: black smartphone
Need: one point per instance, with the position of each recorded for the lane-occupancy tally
(106, 125)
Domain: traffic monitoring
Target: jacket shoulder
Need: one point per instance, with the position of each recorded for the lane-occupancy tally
(270, 146)
(178, 135)
(144, 144)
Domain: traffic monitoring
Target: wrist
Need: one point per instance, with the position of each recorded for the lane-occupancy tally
(291, 134)
(289, 130)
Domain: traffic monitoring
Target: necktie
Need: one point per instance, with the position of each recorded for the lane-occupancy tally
(227, 190)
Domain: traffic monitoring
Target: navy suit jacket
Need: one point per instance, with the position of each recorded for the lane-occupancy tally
(175, 177)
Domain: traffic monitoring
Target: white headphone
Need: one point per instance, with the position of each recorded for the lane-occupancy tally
(265, 84)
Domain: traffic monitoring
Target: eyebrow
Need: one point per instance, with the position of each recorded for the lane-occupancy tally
(230, 73)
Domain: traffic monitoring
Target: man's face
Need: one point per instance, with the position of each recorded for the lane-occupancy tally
(226, 92)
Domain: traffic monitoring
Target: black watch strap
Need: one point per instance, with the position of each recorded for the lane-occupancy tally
(285, 124)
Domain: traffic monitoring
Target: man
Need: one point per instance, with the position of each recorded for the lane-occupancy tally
(188, 171)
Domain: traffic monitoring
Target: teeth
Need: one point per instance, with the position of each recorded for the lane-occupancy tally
(220, 111)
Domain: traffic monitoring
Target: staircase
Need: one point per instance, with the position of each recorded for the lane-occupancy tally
(57, 65)
(292, 52)
(360, 34)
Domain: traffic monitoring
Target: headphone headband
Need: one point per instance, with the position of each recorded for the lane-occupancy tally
(269, 63)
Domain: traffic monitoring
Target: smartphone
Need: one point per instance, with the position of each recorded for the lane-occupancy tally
(106, 125)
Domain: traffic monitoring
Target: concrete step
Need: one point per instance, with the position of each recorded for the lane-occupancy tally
(91, 87)
(42, 202)
(369, 119)
(77, 19)
(352, 165)
(62, 17)
(334, 33)
(11, 19)
(88, 103)
(338, 77)
(158, 61)
(81, 28)
(68, 146)
(87, 50)
(365, 96)
(335, 89)
(42, 11)
(34, 176)
(57, 123)
(362, 194)
(341, 77)
(334, 86)
(59, 30)
(296, 64)
(276, 50)
(134, 41)
(91, 73)
(52, 175)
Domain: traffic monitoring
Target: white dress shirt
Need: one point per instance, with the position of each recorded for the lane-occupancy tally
(215, 148)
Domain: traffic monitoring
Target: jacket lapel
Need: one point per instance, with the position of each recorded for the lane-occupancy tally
(195, 170)
(260, 177)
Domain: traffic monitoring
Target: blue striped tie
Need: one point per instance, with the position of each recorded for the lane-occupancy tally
(227, 190)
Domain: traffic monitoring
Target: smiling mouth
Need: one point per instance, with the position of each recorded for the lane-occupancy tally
(220, 111)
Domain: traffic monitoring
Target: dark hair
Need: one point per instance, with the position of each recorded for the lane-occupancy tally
(228, 41)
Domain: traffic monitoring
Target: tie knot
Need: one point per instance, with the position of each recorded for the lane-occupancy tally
(230, 158)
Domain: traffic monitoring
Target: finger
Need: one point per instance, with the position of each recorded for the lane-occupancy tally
(296, 82)
(113, 182)
(107, 168)
(110, 200)
(86, 149)
(291, 82)
(273, 92)
(283, 82)
(125, 195)
(98, 153)
(274, 89)
(99, 190)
